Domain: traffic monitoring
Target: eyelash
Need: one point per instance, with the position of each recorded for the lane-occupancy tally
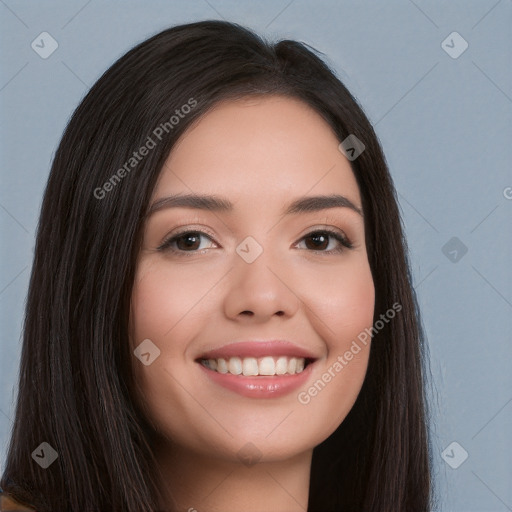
(345, 243)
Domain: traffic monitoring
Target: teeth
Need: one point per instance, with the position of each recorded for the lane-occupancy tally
(250, 366)
(267, 366)
(234, 365)
(281, 365)
(292, 365)
(222, 367)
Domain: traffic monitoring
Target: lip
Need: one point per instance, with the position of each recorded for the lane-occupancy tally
(258, 349)
(273, 386)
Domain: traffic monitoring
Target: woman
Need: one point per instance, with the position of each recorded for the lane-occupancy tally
(220, 313)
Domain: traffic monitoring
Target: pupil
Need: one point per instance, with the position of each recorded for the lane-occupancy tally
(188, 244)
(322, 238)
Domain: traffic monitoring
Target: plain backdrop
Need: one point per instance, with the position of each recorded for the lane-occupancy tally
(443, 113)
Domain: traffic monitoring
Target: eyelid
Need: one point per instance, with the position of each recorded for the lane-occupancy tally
(324, 227)
(331, 223)
(180, 230)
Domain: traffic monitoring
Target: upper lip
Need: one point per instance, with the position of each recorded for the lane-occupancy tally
(260, 348)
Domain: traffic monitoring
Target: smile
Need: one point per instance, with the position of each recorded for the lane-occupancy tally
(258, 369)
(251, 366)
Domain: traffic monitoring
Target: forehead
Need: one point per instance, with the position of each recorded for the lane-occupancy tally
(259, 147)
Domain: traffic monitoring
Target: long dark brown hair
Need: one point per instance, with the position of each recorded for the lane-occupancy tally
(76, 386)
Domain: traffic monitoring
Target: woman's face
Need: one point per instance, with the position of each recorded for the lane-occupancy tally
(253, 285)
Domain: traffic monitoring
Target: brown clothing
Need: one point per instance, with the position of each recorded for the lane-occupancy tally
(9, 504)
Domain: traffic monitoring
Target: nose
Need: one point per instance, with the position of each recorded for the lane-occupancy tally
(260, 290)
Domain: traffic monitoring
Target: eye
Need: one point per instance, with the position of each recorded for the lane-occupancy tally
(323, 241)
(320, 240)
(186, 241)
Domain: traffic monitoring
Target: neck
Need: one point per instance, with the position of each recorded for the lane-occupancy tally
(197, 483)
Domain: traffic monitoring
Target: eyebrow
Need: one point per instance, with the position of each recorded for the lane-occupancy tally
(220, 204)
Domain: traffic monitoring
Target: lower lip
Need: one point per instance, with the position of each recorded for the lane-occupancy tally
(273, 386)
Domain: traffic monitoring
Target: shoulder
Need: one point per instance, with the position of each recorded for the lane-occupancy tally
(9, 504)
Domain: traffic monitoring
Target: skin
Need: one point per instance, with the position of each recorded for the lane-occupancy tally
(260, 153)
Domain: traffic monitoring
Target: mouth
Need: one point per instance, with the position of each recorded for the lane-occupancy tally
(263, 366)
(258, 369)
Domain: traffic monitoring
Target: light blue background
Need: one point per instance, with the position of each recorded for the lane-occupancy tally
(445, 125)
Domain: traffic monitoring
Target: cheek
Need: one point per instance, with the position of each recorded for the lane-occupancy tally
(343, 309)
(342, 300)
(161, 311)
(349, 313)
(153, 305)
(165, 300)
(166, 308)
